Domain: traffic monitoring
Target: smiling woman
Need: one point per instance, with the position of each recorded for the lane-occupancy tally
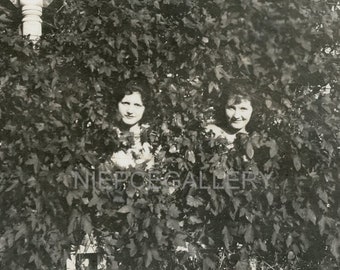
(233, 113)
(238, 113)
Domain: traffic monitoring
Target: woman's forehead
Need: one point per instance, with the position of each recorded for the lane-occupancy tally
(238, 100)
(134, 97)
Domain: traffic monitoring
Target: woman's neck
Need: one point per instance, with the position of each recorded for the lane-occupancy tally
(134, 128)
(233, 131)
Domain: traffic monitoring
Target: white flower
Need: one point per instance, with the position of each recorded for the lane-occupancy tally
(145, 156)
(137, 156)
(123, 160)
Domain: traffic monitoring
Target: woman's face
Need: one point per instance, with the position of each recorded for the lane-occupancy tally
(238, 114)
(131, 108)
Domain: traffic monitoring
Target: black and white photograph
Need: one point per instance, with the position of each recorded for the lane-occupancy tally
(169, 135)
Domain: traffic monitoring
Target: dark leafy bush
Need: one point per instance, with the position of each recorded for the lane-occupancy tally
(56, 118)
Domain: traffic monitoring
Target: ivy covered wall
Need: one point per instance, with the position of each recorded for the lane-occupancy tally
(56, 117)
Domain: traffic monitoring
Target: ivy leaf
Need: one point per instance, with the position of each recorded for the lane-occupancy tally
(155, 255)
(156, 4)
(270, 197)
(87, 224)
(195, 220)
(249, 234)
(208, 264)
(268, 103)
(322, 224)
(133, 248)
(273, 149)
(125, 209)
(263, 245)
(69, 198)
(335, 247)
(297, 162)
(311, 216)
(191, 156)
(173, 211)
(173, 224)
(148, 258)
(133, 38)
(195, 202)
(159, 234)
(12, 186)
(227, 238)
(22, 231)
(249, 150)
(242, 265)
(289, 240)
(219, 72)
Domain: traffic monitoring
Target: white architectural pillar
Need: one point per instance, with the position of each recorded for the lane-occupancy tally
(31, 22)
(31, 11)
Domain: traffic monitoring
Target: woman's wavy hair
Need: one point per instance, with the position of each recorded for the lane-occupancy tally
(235, 91)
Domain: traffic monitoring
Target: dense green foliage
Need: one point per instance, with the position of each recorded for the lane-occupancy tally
(56, 116)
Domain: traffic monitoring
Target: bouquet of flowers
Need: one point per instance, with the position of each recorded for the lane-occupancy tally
(134, 157)
(133, 151)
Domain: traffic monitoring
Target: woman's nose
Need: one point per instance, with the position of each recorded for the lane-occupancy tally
(129, 110)
(237, 114)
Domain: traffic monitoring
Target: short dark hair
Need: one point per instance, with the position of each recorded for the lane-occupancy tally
(236, 90)
(131, 87)
(139, 85)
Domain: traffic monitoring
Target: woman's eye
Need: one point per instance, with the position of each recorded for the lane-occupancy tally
(138, 105)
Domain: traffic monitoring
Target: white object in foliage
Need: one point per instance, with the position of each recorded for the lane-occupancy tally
(31, 11)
